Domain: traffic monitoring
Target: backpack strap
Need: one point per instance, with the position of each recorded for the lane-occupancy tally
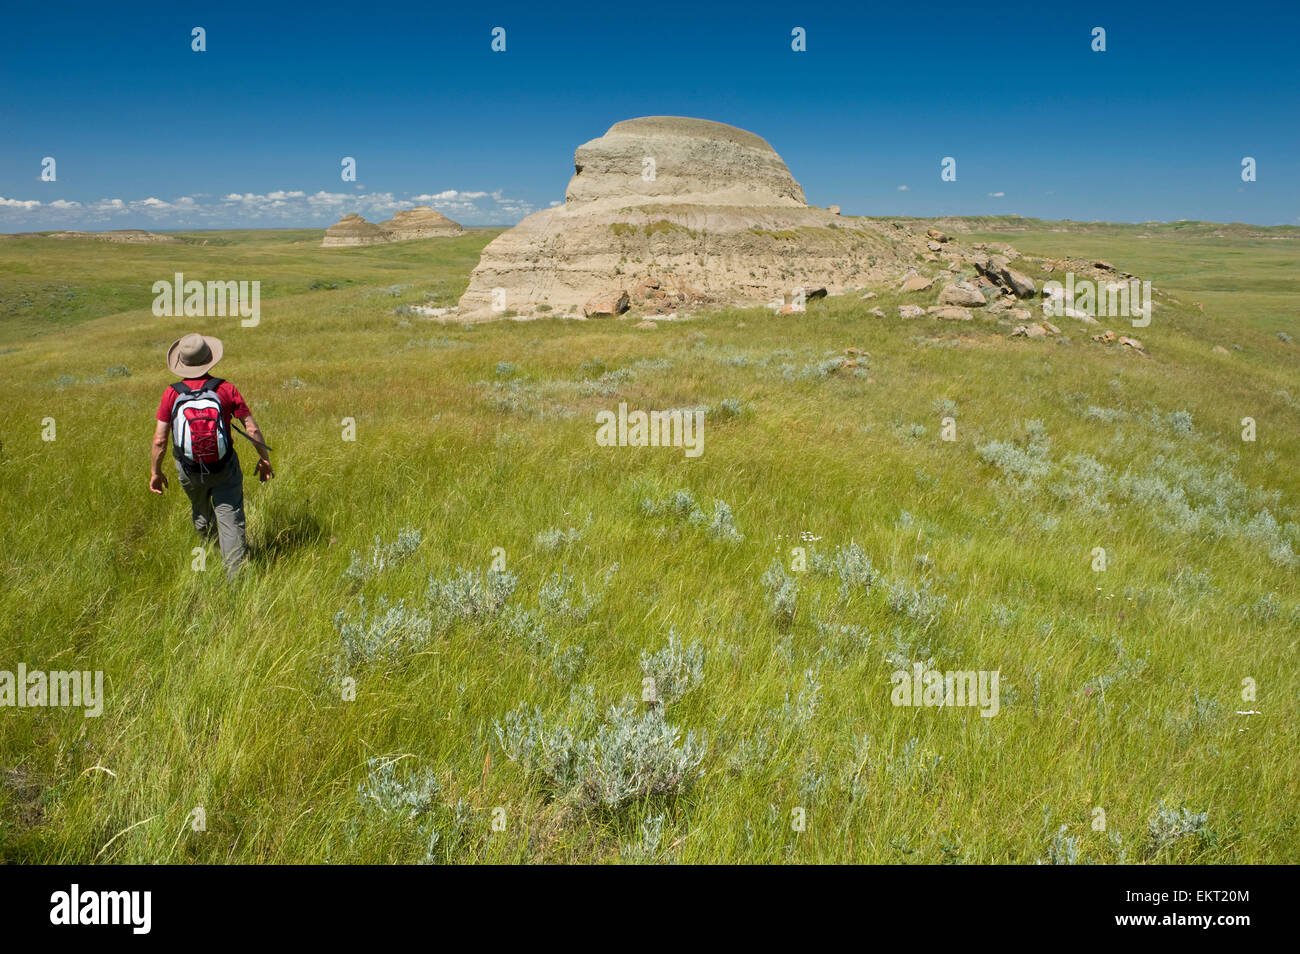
(209, 384)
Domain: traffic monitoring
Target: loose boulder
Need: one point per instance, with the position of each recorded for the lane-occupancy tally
(607, 305)
(1022, 285)
(962, 294)
(808, 294)
(990, 266)
(950, 313)
(1029, 331)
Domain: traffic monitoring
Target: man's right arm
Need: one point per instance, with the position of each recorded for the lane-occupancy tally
(264, 471)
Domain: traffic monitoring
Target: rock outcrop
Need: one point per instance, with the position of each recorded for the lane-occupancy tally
(353, 230)
(418, 223)
(677, 213)
(121, 237)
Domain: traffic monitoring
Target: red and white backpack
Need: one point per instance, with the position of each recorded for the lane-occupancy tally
(200, 432)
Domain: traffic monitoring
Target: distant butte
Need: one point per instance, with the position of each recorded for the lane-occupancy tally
(420, 222)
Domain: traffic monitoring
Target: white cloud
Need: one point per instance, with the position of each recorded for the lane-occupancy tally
(455, 203)
(996, 195)
(277, 208)
(452, 195)
(323, 198)
(904, 188)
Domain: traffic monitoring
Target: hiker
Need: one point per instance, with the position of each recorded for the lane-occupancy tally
(196, 410)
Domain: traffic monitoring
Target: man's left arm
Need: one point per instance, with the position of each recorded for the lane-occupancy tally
(157, 479)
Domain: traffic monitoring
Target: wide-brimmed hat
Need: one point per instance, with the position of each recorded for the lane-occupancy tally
(193, 355)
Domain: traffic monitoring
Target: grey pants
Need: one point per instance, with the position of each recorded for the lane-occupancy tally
(217, 507)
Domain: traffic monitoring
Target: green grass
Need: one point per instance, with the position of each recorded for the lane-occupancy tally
(52, 284)
(1120, 689)
(622, 229)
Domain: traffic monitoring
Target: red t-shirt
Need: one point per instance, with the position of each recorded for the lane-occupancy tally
(232, 402)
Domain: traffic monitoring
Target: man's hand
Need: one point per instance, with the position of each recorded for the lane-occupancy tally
(156, 479)
(264, 471)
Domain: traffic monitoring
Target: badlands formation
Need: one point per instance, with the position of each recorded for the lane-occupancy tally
(418, 223)
(666, 213)
(117, 236)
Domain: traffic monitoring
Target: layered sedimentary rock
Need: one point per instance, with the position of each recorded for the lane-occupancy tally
(419, 223)
(680, 160)
(677, 212)
(354, 230)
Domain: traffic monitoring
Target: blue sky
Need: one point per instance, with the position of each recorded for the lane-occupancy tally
(147, 133)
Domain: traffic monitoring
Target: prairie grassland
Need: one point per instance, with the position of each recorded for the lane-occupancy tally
(514, 695)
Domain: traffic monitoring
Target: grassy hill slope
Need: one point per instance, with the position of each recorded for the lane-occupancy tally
(488, 719)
